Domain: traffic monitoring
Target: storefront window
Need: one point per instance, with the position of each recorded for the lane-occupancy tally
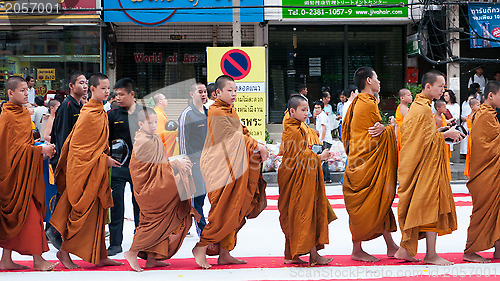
(49, 56)
(316, 56)
(154, 66)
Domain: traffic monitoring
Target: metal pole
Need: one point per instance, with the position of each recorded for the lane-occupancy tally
(236, 24)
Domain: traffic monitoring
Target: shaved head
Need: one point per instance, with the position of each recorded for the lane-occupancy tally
(439, 103)
(295, 101)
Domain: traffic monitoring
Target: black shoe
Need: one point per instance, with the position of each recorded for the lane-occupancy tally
(54, 237)
(114, 250)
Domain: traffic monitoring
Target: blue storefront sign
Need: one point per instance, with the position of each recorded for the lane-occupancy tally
(153, 12)
(484, 22)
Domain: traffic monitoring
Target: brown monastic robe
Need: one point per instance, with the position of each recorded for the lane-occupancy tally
(305, 211)
(311, 135)
(370, 176)
(82, 177)
(233, 176)
(165, 219)
(22, 188)
(425, 197)
(484, 181)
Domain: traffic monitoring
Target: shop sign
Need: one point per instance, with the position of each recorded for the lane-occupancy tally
(484, 20)
(172, 59)
(247, 66)
(333, 9)
(188, 11)
(46, 74)
(412, 45)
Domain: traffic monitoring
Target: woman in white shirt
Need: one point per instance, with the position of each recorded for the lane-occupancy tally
(452, 105)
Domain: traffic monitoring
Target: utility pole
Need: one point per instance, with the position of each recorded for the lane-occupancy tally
(236, 24)
(453, 69)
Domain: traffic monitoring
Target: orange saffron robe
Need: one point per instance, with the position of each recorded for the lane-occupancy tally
(169, 138)
(484, 181)
(425, 197)
(399, 119)
(469, 140)
(165, 217)
(233, 175)
(305, 211)
(22, 187)
(311, 135)
(82, 177)
(370, 177)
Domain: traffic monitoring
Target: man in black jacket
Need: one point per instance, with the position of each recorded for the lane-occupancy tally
(123, 124)
(65, 119)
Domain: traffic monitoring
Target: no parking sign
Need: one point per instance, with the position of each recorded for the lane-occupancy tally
(247, 66)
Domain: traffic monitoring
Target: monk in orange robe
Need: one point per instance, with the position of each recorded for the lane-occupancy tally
(22, 187)
(405, 99)
(426, 206)
(165, 215)
(474, 105)
(231, 166)
(169, 138)
(305, 212)
(82, 177)
(370, 178)
(484, 178)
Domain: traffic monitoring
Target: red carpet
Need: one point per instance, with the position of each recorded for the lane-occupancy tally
(258, 262)
(336, 197)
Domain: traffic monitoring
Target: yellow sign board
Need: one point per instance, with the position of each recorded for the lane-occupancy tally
(247, 66)
(46, 74)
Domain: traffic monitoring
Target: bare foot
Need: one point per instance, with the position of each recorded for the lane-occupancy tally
(45, 265)
(200, 256)
(10, 265)
(156, 263)
(363, 256)
(66, 260)
(319, 260)
(295, 261)
(228, 259)
(132, 261)
(473, 257)
(402, 254)
(496, 254)
(108, 262)
(391, 250)
(436, 260)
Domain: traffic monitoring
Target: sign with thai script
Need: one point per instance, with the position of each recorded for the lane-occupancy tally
(247, 66)
(484, 20)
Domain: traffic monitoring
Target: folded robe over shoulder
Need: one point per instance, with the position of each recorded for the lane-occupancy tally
(82, 177)
(370, 177)
(21, 182)
(165, 219)
(311, 135)
(425, 198)
(484, 181)
(305, 211)
(233, 176)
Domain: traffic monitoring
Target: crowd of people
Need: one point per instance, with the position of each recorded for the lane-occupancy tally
(216, 156)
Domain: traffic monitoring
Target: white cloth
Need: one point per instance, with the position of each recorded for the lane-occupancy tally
(466, 110)
(31, 95)
(322, 119)
(345, 108)
(38, 116)
(455, 111)
(209, 103)
(482, 81)
(107, 106)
